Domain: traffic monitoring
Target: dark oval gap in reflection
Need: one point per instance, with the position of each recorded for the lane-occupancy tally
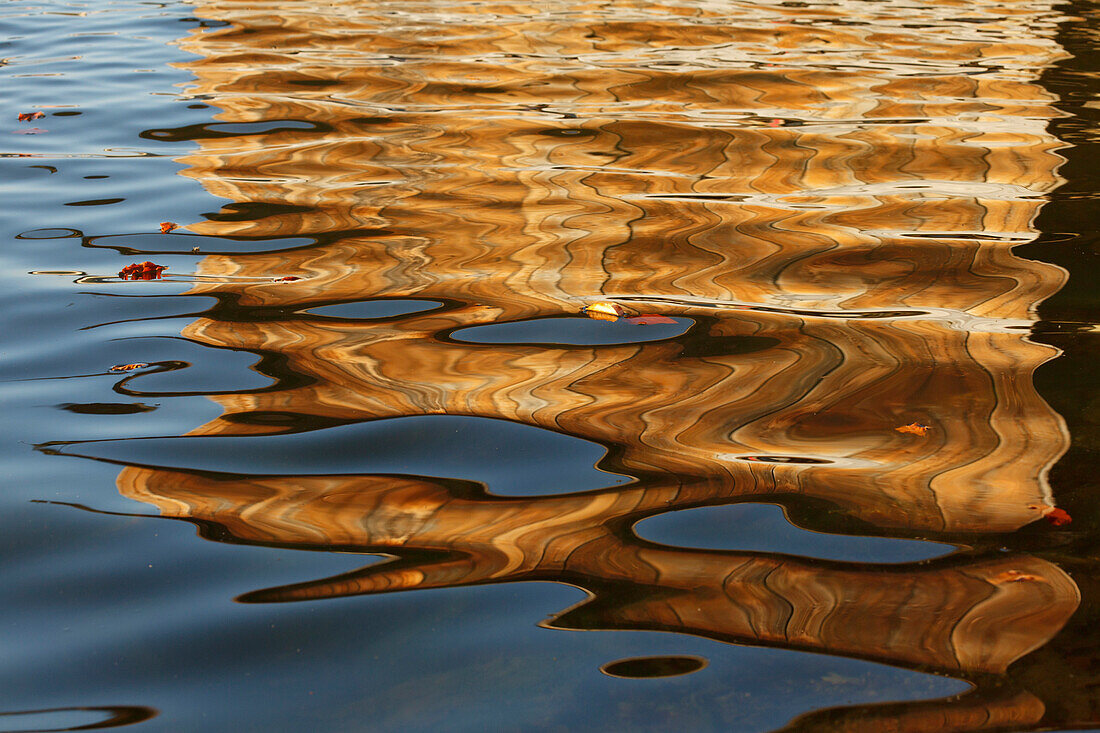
(253, 210)
(239, 128)
(567, 132)
(290, 421)
(106, 408)
(365, 310)
(652, 667)
(184, 243)
(785, 459)
(570, 331)
(74, 718)
(94, 202)
(210, 130)
(49, 233)
(757, 527)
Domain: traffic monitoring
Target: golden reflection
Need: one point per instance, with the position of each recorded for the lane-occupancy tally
(977, 617)
(832, 193)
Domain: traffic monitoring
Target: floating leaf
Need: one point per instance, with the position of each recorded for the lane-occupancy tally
(649, 319)
(605, 310)
(28, 116)
(914, 428)
(1058, 517)
(167, 226)
(775, 123)
(142, 271)
(1054, 515)
(128, 367)
(286, 279)
(29, 131)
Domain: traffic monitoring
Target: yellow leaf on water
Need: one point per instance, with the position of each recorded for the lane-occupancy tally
(605, 310)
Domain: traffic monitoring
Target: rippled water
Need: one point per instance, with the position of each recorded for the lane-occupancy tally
(374, 469)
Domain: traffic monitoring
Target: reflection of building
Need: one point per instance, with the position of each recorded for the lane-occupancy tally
(900, 193)
(815, 389)
(834, 203)
(977, 616)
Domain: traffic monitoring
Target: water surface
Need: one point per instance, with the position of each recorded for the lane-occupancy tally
(378, 471)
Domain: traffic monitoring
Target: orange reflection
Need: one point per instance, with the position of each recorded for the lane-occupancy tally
(832, 194)
(974, 617)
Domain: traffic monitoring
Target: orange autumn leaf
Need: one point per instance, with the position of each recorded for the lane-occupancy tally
(1058, 517)
(287, 279)
(167, 226)
(914, 428)
(28, 116)
(142, 271)
(128, 367)
(1054, 515)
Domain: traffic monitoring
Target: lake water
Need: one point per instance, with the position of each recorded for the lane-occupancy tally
(359, 458)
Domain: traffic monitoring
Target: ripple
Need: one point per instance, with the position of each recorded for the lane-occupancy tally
(95, 202)
(571, 331)
(49, 233)
(514, 460)
(107, 408)
(652, 667)
(787, 459)
(181, 242)
(213, 131)
(74, 718)
(369, 310)
(764, 528)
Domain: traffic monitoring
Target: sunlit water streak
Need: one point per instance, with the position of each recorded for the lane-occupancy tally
(824, 197)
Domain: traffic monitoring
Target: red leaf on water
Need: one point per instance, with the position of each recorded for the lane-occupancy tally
(142, 271)
(1058, 517)
(1054, 515)
(648, 319)
(28, 116)
(287, 279)
(128, 367)
(167, 226)
(914, 428)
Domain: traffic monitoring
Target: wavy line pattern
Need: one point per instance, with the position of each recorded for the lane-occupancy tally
(832, 194)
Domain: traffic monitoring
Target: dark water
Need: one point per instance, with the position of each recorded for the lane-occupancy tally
(376, 470)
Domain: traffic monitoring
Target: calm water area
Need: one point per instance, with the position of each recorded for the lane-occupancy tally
(370, 455)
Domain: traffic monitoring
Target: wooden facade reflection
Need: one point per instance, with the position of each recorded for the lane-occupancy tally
(977, 616)
(839, 226)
